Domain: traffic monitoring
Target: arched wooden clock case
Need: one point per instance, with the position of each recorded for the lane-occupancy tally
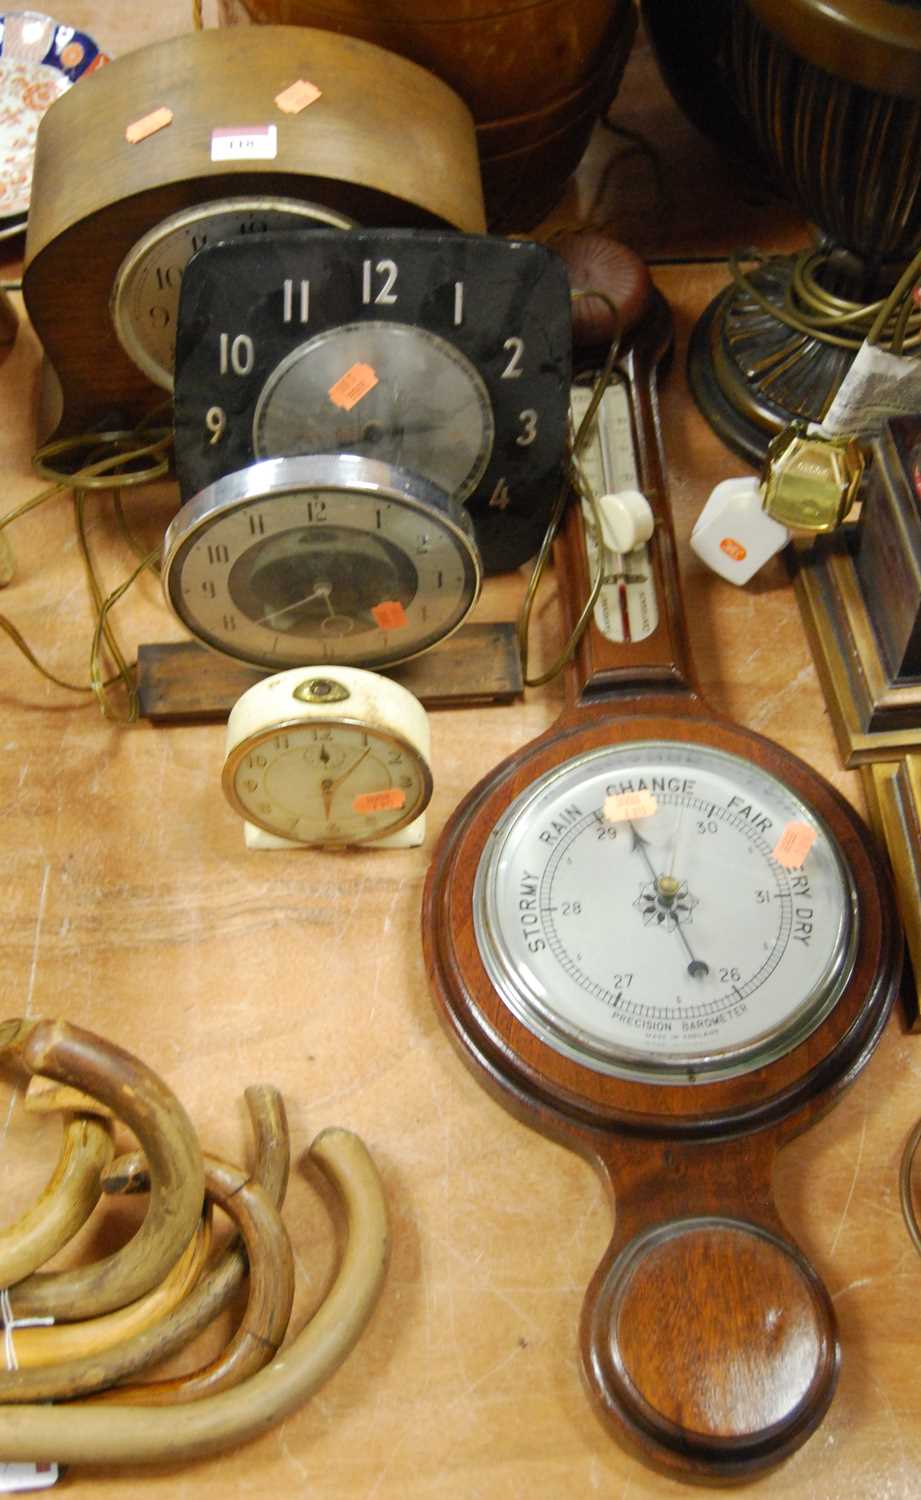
(384, 143)
(708, 1340)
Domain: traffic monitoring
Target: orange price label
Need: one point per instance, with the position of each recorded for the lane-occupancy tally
(623, 807)
(147, 125)
(352, 386)
(793, 845)
(371, 802)
(733, 549)
(389, 614)
(292, 100)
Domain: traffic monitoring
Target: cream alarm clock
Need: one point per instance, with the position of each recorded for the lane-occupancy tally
(329, 757)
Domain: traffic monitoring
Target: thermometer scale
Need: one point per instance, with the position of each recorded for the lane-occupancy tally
(625, 609)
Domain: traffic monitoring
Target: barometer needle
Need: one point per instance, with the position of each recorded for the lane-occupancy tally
(666, 889)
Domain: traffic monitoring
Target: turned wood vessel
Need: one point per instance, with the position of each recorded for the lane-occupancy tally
(536, 74)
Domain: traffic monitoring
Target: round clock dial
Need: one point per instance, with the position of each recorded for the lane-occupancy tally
(337, 782)
(145, 292)
(332, 559)
(428, 410)
(329, 756)
(665, 911)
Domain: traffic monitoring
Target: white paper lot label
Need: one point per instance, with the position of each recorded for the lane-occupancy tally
(15, 1479)
(245, 143)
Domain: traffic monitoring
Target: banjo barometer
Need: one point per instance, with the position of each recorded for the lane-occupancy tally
(668, 942)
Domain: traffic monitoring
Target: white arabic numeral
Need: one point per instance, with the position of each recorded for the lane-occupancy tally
(385, 295)
(501, 495)
(237, 354)
(216, 422)
(528, 420)
(515, 348)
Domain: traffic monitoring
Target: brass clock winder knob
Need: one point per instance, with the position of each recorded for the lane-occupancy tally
(383, 142)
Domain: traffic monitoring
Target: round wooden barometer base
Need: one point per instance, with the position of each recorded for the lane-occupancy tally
(743, 1360)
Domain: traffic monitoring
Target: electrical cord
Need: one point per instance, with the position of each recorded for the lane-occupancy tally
(811, 310)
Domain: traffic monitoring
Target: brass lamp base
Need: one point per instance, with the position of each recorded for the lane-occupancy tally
(751, 374)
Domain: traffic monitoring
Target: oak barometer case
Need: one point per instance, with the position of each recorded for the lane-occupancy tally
(668, 942)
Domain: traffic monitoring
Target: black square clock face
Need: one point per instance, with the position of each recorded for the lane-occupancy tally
(444, 354)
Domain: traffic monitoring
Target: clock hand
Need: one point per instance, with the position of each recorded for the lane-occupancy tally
(330, 786)
(321, 591)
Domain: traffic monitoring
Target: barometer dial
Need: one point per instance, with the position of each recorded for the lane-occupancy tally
(664, 911)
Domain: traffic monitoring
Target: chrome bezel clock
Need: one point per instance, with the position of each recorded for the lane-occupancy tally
(333, 558)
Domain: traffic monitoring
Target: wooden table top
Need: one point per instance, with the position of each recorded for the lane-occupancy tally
(132, 908)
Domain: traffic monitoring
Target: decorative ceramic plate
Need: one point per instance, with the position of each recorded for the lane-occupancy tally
(39, 60)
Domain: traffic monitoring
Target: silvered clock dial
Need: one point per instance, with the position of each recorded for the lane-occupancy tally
(145, 293)
(331, 558)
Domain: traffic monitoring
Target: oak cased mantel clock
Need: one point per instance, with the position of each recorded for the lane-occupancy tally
(383, 142)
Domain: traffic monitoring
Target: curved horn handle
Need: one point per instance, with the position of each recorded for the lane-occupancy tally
(142, 1101)
(137, 1435)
